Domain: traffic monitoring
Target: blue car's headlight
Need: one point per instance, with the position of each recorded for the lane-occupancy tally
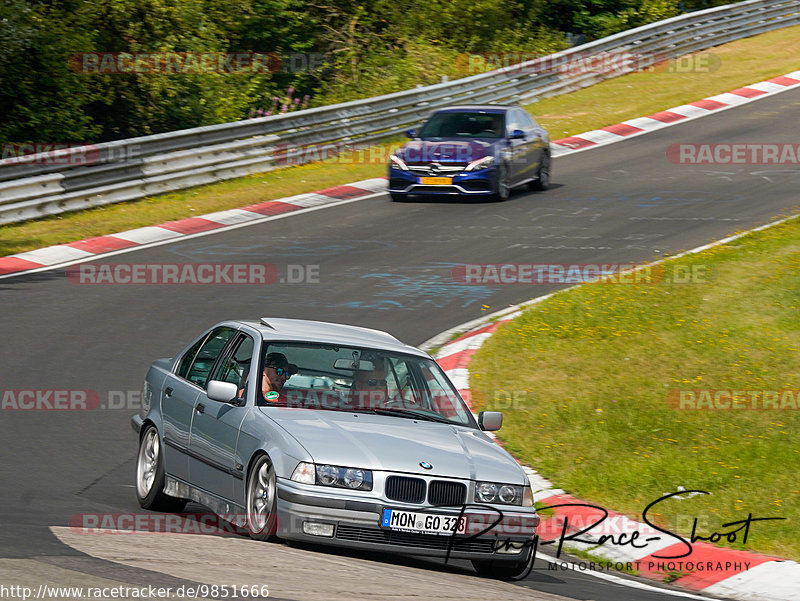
(395, 162)
(333, 475)
(505, 494)
(480, 164)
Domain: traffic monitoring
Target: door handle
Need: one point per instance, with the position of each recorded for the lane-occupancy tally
(168, 391)
(200, 408)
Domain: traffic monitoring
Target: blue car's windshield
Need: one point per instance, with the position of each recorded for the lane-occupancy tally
(464, 125)
(326, 377)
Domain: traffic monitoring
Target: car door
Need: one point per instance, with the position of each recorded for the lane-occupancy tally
(179, 395)
(213, 463)
(517, 151)
(537, 143)
(521, 146)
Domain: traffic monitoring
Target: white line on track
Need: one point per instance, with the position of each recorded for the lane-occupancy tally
(225, 228)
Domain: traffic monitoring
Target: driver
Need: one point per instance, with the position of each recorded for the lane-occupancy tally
(277, 370)
(369, 386)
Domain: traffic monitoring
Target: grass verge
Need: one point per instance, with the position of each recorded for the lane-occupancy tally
(729, 66)
(712, 71)
(590, 382)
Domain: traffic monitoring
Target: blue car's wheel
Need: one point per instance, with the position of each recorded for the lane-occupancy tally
(542, 182)
(503, 186)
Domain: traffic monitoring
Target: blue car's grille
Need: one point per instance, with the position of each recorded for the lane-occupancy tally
(410, 539)
(442, 492)
(433, 190)
(476, 185)
(408, 490)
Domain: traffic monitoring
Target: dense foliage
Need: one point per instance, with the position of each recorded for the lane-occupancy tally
(328, 50)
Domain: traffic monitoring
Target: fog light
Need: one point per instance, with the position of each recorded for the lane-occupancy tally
(317, 529)
(506, 547)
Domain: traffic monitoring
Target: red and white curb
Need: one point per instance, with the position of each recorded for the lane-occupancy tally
(728, 573)
(91, 248)
(678, 114)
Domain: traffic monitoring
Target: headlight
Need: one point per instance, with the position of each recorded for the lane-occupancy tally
(527, 496)
(395, 162)
(344, 477)
(333, 475)
(304, 473)
(505, 494)
(354, 478)
(327, 475)
(480, 164)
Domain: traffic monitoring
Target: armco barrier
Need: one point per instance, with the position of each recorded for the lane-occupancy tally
(34, 186)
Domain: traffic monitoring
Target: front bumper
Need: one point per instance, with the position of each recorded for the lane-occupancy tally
(136, 423)
(472, 183)
(356, 524)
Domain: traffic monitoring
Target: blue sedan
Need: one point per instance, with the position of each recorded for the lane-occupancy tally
(472, 151)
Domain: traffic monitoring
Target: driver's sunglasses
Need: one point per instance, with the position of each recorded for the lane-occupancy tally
(280, 371)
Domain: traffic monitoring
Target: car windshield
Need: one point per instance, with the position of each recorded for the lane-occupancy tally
(345, 378)
(473, 124)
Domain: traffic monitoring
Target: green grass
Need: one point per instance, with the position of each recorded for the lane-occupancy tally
(742, 62)
(589, 374)
(639, 94)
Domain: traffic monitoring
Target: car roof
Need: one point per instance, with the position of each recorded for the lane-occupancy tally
(489, 108)
(303, 330)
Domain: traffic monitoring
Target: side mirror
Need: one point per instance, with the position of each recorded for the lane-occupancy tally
(411, 133)
(224, 392)
(490, 421)
(517, 134)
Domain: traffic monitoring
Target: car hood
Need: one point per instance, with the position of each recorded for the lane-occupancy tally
(397, 444)
(422, 152)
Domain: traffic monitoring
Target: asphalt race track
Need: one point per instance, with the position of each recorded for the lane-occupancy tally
(381, 264)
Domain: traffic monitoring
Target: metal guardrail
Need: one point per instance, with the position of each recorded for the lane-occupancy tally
(38, 185)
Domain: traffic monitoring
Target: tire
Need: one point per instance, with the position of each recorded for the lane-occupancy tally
(262, 500)
(503, 187)
(542, 181)
(150, 475)
(397, 197)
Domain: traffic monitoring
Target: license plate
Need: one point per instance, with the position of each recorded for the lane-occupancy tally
(425, 523)
(436, 181)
